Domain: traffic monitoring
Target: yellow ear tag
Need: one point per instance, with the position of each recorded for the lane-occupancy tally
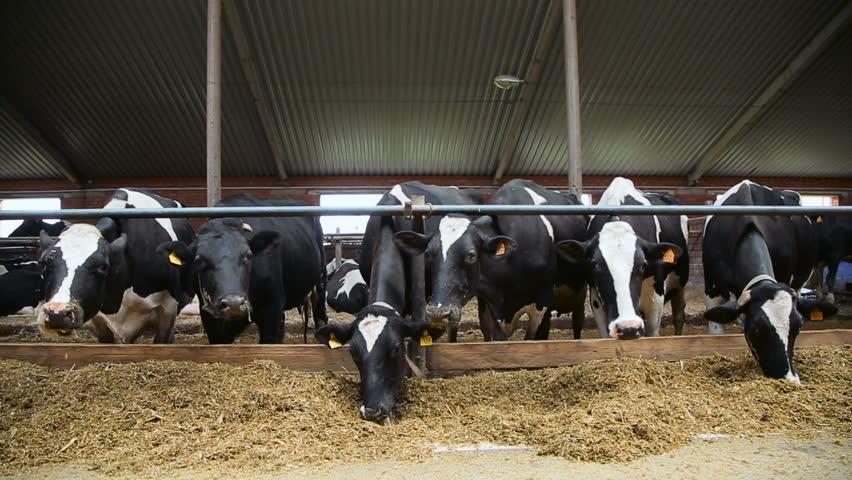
(669, 256)
(501, 250)
(816, 314)
(174, 259)
(333, 342)
(819, 219)
(426, 339)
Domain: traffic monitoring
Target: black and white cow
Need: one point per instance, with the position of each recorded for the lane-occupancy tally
(33, 228)
(111, 274)
(757, 263)
(20, 286)
(633, 264)
(376, 344)
(834, 238)
(507, 261)
(347, 291)
(253, 269)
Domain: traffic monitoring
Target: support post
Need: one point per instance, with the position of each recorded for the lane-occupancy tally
(418, 290)
(572, 89)
(338, 251)
(214, 101)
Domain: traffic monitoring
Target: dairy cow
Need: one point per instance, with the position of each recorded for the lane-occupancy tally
(110, 274)
(834, 241)
(507, 261)
(33, 228)
(633, 264)
(757, 264)
(20, 286)
(347, 291)
(253, 269)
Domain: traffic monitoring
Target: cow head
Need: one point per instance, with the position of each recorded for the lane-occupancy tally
(376, 344)
(454, 255)
(219, 262)
(617, 263)
(773, 316)
(81, 272)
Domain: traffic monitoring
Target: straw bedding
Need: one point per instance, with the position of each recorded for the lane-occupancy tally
(150, 417)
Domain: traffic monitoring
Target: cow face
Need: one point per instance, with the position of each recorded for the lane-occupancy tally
(219, 260)
(620, 267)
(454, 254)
(773, 316)
(76, 267)
(376, 344)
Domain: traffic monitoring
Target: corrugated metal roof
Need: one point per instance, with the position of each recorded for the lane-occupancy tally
(21, 154)
(403, 87)
(660, 80)
(807, 133)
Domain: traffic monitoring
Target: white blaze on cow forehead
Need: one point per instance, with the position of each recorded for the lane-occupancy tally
(77, 244)
(620, 189)
(617, 244)
(140, 200)
(371, 327)
(451, 229)
(539, 200)
(397, 193)
(352, 278)
(778, 311)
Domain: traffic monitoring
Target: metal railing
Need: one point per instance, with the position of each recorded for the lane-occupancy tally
(424, 210)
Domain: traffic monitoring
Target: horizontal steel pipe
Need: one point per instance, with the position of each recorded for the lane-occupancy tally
(385, 210)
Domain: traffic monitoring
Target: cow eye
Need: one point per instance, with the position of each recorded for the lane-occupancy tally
(396, 350)
(101, 270)
(247, 257)
(470, 257)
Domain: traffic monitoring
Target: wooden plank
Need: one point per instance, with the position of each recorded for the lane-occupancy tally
(445, 357)
(441, 357)
(310, 358)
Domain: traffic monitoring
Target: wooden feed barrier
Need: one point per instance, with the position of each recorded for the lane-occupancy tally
(441, 358)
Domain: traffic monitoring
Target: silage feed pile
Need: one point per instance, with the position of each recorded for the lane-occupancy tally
(158, 416)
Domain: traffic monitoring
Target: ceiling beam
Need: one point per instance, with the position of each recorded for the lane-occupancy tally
(528, 89)
(50, 154)
(771, 93)
(261, 103)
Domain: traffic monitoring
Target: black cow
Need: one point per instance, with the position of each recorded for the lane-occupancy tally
(376, 345)
(507, 261)
(21, 286)
(347, 290)
(834, 238)
(33, 228)
(759, 262)
(262, 265)
(111, 274)
(633, 264)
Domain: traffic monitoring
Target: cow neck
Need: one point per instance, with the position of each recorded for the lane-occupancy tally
(753, 262)
(754, 281)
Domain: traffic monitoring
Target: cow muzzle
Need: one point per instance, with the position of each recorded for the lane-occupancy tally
(60, 318)
(381, 414)
(441, 317)
(627, 329)
(231, 306)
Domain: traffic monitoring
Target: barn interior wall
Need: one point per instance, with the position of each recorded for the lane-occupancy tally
(191, 191)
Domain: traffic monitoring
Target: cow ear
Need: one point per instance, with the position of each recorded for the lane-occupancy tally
(116, 253)
(178, 253)
(108, 228)
(411, 243)
(334, 335)
(263, 240)
(815, 309)
(667, 253)
(725, 313)
(412, 329)
(500, 247)
(572, 250)
(45, 241)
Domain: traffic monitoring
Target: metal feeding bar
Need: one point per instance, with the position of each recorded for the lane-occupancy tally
(425, 210)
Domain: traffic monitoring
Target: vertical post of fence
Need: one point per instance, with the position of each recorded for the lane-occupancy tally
(572, 97)
(418, 290)
(338, 251)
(214, 101)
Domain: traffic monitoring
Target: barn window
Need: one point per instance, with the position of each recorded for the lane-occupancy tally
(8, 226)
(347, 223)
(820, 200)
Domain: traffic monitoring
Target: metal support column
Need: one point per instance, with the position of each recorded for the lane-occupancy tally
(572, 89)
(418, 290)
(214, 101)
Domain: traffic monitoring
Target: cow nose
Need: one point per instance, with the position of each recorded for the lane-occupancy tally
(628, 329)
(437, 317)
(232, 304)
(379, 415)
(60, 320)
